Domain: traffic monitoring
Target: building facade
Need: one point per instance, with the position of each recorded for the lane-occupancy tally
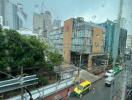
(8, 11)
(129, 42)
(42, 23)
(4, 11)
(56, 23)
(81, 39)
(55, 39)
(1, 20)
(109, 27)
(15, 21)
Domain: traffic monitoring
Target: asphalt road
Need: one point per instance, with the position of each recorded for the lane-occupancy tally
(129, 80)
(102, 92)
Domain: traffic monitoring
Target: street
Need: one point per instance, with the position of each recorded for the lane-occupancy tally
(129, 81)
(102, 92)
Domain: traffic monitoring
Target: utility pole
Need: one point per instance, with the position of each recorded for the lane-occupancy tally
(80, 62)
(116, 42)
(117, 33)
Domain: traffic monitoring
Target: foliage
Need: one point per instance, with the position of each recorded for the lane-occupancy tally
(54, 58)
(43, 80)
(17, 50)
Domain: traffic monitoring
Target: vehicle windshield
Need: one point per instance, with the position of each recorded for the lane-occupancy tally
(80, 87)
(110, 71)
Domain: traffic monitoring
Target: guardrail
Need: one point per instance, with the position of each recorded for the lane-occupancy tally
(47, 90)
(16, 83)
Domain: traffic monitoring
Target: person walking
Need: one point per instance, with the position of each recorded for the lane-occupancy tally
(93, 90)
(68, 94)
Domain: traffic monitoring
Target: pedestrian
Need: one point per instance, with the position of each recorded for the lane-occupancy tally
(68, 94)
(93, 90)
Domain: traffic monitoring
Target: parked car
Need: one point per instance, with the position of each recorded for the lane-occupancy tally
(110, 73)
(109, 81)
(82, 88)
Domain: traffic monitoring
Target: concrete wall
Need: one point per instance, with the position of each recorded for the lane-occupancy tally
(67, 39)
(97, 40)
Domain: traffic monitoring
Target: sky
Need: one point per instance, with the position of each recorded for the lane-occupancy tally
(92, 10)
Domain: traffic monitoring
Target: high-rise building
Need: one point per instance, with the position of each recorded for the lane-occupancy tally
(109, 27)
(1, 20)
(9, 11)
(56, 23)
(129, 42)
(42, 23)
(15, 21)
(4, 11)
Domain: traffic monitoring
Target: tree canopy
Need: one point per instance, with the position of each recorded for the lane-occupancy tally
(17, 50)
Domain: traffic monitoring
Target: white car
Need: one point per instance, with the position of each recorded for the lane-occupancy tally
(110, 73)
(109, 81)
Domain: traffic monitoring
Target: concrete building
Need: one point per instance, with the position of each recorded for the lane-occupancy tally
(8, 11)
(129, 42)
(81, 39)
(1, 20)
(4, 11)
(55, 38)
(42, 23)
(15, 21)
(56, 23)
(109, 27)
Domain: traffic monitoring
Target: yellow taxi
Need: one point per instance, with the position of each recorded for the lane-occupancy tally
(82, 88)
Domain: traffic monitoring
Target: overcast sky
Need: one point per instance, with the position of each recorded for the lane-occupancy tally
(92, 10)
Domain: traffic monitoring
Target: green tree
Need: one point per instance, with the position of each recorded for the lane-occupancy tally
(17, 50)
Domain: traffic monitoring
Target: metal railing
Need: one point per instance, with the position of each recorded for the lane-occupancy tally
(16, 83)
(47, 90)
